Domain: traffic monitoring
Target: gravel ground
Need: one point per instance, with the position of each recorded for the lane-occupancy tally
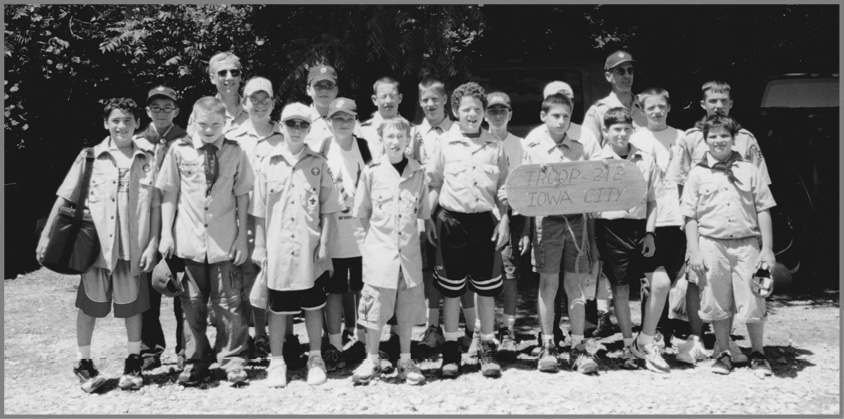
(803, 342)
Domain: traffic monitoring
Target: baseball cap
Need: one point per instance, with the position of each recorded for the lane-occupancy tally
(296, 110)
(161, 91)
(557, 87)
(498, 98)
(342, 104)
(257, 84)
(322, 72)
(617, 58)
(164, 279)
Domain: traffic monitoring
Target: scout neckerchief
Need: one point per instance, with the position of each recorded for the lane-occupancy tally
(724, 166)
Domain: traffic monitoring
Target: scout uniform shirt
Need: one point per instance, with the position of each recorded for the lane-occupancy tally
(393, 203)
(206, 224)
(290, 195)
(540, 148)
(724, 210)
(662, 145)
(423, 138)
(116, 201)
(692, 148)
(468, 171)
(159, 142)
(256, 147)
(645, 163)
(594, 119)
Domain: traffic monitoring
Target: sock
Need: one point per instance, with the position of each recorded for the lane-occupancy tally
(548, 339)
(83, 352)
(490, 336)
(628, 341)
(511, 321)
(277, 360)
(134, 347)
(375, 358)
(644, 339)
(603, 305)
(314, 353)
(576, 340)
(336, 340)
(404, 357)
(452, 336)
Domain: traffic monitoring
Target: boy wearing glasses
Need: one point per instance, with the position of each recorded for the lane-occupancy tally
(162, 108)
(225, 74)
(293, 203)
(618, 70)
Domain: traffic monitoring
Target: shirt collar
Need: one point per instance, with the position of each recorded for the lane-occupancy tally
(608, 153)
(484, 139)
(710, 161)
(138, 148)
(315, 114)
(412, 165)
(249, 129)
(198, 143)
(281, 150)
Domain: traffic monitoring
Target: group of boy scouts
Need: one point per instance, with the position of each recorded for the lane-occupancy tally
(360, 225)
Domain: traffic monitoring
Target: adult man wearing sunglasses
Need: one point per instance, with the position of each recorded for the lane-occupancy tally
(619, 70)
(225, 74)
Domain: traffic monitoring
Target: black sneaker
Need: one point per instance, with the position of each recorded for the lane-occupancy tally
(604, 327)
(356, 352)
(151, 361)
(193, 374)
(452, 355)
(333, 358)
(486, 355)
(559, 336)
(723, 363)
(389, 351)
(548, 360)
(133, 377)
(292, 352)
(760, 364)
(89, 378)
(508, 347)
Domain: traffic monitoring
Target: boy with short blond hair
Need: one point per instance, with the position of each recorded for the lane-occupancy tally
(386, 96)
(623, 238)
(206, 181)
(392, 197)
(725, 256)
(293, 202)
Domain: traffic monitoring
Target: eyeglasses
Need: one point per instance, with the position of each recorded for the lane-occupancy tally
(234, 72)
(297, 124)
(325, 86)
(264, 101)
(156, 109)
(621, 71)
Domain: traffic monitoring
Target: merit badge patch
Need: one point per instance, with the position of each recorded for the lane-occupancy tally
(312, 201)
(756, 152)
(146, 168)
(315, 171)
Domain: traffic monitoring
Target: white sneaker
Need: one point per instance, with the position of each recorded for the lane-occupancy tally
(736, 354)
(316, 371)
(277, 374)
(410, 372)
(366, 371)
(691, 351)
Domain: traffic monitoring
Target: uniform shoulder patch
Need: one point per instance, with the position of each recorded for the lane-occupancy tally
(692, 130)
(747, 133)
(231, 142)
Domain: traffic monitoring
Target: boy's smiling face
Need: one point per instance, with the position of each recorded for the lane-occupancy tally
(209, 125)
(121, 126)
(259, 105)
(720, 143)
(433, 104)
(470, 114)
(395, 142)
(226, 76)
(557, 119)
(166, 112)
(618, 135)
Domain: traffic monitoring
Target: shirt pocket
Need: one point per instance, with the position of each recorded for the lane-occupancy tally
(97, 188)
(381, 203)
(408, 202)
(490, 175)
(457, 176)
(145, 187)
(189, 173)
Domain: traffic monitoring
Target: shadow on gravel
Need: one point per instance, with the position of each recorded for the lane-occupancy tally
(788, 361)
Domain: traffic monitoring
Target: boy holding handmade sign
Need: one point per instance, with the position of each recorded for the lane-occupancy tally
(623, 237)
(562, 240)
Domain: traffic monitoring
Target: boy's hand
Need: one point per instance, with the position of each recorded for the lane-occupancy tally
(42, 246)
(648, 245)
(148, 259)
(698, 267)
(524, 244)
(259, 255)
(766, 260)
(166, 247)
(239, 251)
(320, 253)
(501, 235)
(431, 232)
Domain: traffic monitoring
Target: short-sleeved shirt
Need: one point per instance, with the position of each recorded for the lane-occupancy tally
(423, 138)
(514, 149)
(346, 169)
(159, 142)
(206, 224)
(724, 210)
(320, 130)
(393, 203)
(291, 194)
(369, 132)
(662, 145)
(102, 200)
(645, 163)
(692, 148)
(585, 137)
(594, 118)
(469, 172)
(234, 118)
(541, 148)
(255, 146)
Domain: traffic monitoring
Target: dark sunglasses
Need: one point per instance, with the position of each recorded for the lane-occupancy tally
(297, 124)
(621, 71)
(235, 73)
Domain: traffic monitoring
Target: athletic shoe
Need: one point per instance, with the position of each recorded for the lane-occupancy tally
(133, 377)
(759, 364)
(691, 351)
(736, 354)
(628, 360)
(582, 361)
(333, 358)
(410, 372)
(261, 346)
(180, 360)
(487, 350)
(659, 341)
(451, 359)
(316, 371)
(723, 363)
(355, 353)
(389, 352)
(366, 371)
(277, 374)
(151, 358)
(466, 340)
(292, 352)
(193, 374)
(508, 347)
(89, 378)
(472, 351)
(559, 336)
(548, 360)
(433, 337)
(651, 354)
(604, 327)
(236, 376)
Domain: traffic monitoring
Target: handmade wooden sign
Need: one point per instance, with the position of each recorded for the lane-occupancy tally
(576, 187)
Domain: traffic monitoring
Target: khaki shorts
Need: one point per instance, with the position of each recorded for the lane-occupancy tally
(98, 290)
(730, 267)
(377, 305)
(560, 249)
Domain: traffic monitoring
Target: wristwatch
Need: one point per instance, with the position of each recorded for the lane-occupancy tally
(651, 233)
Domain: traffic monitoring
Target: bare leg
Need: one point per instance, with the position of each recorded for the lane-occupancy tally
(621, 303)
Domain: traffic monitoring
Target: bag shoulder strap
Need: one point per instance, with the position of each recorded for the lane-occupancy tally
(85, 179)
